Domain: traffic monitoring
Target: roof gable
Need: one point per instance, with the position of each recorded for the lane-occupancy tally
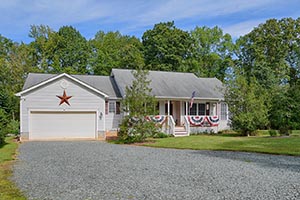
(35, 81)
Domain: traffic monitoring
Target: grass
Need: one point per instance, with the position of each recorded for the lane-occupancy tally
(232, 142)
(8, 189)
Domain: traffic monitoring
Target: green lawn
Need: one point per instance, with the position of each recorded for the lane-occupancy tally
(273, 145)
(8, 190)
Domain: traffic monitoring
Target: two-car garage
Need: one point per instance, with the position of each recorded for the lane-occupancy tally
(45, 125)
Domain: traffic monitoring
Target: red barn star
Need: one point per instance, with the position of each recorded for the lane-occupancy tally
(64, 98)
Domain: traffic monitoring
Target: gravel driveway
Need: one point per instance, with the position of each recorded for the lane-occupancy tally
(96, 170)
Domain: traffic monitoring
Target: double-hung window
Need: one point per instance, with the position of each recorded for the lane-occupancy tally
(112, 107)
(224, 111)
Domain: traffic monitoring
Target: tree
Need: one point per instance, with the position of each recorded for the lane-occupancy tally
(166, 48)
(3, 124)
(212, 52)
(73, 51)
(112, 50)
(43, 48)
(281, 113)
(138, 103)
(247, 104)
(271, 54)
(63, 51)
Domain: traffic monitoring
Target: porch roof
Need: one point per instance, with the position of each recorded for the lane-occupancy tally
(174, 84)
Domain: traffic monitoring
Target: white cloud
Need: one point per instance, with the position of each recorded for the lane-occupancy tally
(129, 16)
(242, 28)
(176, 9)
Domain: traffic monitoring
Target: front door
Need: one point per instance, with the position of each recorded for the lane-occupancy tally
(174, 111)
(176, 114)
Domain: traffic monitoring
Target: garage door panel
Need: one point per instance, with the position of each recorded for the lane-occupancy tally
(62, 125)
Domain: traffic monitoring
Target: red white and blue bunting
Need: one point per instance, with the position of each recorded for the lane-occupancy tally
(157, 119)
(196, 120)
(213, 120)
(204, 120)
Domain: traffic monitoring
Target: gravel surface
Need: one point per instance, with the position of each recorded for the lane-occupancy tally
(95, 170)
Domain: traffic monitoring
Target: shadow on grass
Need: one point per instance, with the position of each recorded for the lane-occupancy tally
(284, 162)
(3, 144)
(230, 135)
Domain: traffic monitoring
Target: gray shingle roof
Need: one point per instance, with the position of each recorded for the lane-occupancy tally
(163, 84)
(104, 84)
(174, 84)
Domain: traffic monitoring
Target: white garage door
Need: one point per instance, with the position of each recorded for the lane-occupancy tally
(62, 125)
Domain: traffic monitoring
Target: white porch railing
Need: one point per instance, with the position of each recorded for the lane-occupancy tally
(171, 125)
(187, 125)
(166, 122)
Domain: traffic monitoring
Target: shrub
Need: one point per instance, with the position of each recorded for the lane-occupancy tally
(13, 127)
(273, 133)
(136, 129)
(284, 131)
(160, 135)
(3, 124)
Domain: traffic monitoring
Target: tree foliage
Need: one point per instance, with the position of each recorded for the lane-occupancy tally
(113, 50)
(63, 51)
(270, 53)
(247, 104)
(212, 52)
(166, 47)
(138, 103)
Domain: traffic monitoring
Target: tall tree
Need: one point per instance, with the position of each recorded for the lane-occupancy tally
(271, 54)
(74, 50)
(271, 51)
(113, 50)
(166, 47)
(63, 51)
(212, 52)
(43, 48)
(247, 104)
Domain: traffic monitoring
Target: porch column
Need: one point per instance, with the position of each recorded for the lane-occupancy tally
(214, 110)
(186, 108)
(168, 107)
(168, 103)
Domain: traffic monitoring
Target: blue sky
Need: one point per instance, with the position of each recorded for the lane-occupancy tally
(134, 17)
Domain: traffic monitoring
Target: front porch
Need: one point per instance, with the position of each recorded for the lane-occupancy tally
(203, 116)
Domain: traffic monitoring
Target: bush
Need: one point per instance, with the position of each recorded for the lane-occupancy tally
(134, 129)
(273, 133)
(284, 131)
(160, 135)
(13, 127)
(3, 124)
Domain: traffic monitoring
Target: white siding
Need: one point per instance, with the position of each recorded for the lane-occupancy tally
(162, 107)
(45, 99)
(112, 121)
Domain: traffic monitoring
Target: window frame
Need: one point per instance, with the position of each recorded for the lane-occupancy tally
(224, 111)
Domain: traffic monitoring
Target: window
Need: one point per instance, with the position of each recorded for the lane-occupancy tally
(118, 108)
(193, 110)
(201, 109)
(224, 113)
(111, 107)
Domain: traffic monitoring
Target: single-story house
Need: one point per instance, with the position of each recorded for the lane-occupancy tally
(64, 106)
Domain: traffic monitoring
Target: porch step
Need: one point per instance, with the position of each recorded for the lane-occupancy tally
(180, 131)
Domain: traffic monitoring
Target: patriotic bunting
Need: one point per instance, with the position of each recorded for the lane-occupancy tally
(157, 119)
(200, 120)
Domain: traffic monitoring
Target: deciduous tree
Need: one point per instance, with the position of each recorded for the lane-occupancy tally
(166, 48)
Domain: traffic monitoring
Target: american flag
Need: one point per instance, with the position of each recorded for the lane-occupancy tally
(192, 99)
